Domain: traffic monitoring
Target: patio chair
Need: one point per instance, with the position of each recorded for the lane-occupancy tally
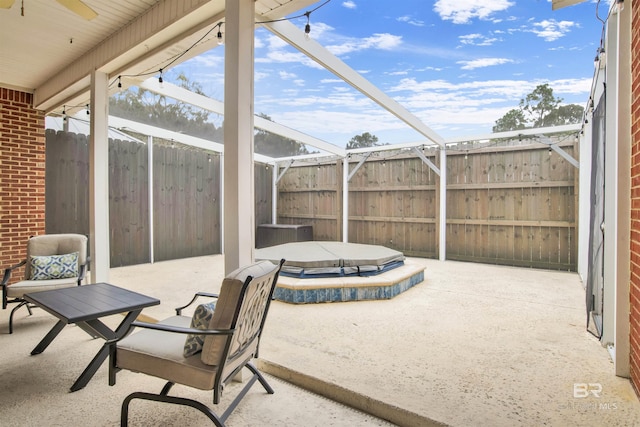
(53, 261)
(206, 350)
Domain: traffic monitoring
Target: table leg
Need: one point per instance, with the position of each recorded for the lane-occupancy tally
(100, 357)
(42, 345)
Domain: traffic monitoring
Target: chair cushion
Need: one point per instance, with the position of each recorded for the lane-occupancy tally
(226, 306)
(48, 267)
(200, 320)
(17, 290)
(160, 354)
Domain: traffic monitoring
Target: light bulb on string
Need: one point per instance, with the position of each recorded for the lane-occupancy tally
(160, 80)
(307, 28)
(219, 35)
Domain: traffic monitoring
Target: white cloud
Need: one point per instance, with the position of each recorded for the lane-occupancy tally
(463, 11)
(551, 29)
(483, 62)
(349, 4)
(411, 21)
(377, 41)
(477, 40)
(284, 75)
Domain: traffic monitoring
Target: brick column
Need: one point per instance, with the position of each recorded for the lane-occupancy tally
(22, 175)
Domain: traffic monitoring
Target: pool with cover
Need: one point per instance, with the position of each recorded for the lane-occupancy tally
(322, 271)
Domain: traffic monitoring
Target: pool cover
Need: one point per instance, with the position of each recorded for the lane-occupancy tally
(331, 259)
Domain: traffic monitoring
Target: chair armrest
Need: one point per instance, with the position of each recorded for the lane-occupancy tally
(7, 272)
(182, 330)
(195, 297)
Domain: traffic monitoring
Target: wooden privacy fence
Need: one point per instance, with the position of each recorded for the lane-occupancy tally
(186, 197)
(513, 204)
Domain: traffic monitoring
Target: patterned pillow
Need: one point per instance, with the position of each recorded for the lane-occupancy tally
(200, 320)
(54, 266)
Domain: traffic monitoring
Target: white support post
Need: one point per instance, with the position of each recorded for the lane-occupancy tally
(99, 178)
(345, 199)
(150, 187)
(443, 205)
(239, 218)
(274, 193)
(222, 204)
(623, 139)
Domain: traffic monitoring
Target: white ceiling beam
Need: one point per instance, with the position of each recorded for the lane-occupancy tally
(296, 38)
(209, 104)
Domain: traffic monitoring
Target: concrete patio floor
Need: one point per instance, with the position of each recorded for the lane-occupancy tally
(472, 345)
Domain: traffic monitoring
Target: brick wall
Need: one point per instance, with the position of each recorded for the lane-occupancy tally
(634, 317)
(22, 165)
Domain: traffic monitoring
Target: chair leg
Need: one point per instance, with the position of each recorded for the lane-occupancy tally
(124, 413)
(257, 376)
(13, 311)
(262, 379)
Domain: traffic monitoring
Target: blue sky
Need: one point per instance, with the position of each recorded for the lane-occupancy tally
(457, 65)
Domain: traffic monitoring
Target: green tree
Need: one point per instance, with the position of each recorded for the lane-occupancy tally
(513, 120)
(564, 115)
(273, 145)
(364, 140)
(540, 108)
(539, 103)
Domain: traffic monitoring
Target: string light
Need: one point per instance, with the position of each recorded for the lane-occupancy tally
(307, 28)
(600, 59)
(307, 14)
(219, 35)
(119, 83)
(64, 113)
(88, 110)
(220, 40)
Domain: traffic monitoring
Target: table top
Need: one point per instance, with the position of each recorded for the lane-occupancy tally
(87, 302)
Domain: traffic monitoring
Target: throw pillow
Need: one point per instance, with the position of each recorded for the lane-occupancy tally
(200, 320)
(48, 267)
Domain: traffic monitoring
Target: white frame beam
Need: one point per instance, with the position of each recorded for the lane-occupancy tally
(99, 179)
(239, 217)
(209, 104)
(296, 38)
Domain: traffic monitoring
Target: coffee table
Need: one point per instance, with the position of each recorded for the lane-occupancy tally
(84, 306)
